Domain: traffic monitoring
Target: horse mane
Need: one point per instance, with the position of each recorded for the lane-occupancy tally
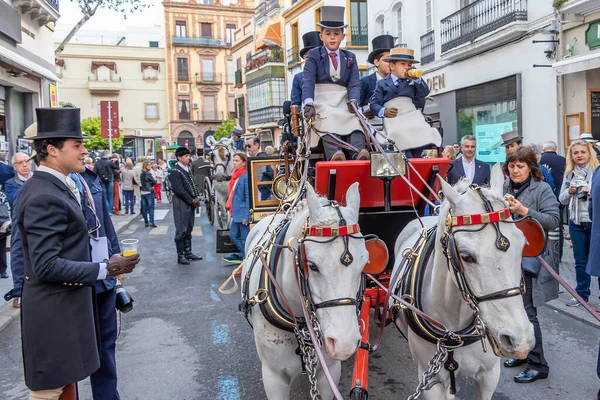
(221, 152)
(303, 205)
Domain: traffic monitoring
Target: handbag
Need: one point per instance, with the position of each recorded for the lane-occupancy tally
(531, 266)
(224, 243)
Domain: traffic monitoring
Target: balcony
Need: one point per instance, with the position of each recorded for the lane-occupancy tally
(582, 7)
(41, 11)
(210, 116)
(359, 37)
(238, 78)
(478, 19)
(202, 41)
(427, 48)
(293, 55)
(112, 85)
(265, 115)
(183, 77)
(209, 78)
(272, 5)
(264, 57)
(260, 13)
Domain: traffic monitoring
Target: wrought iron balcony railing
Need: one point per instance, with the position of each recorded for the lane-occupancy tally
(272, 5)
(293, 55)
(183, 76)
(428, 47)
(265, 115)
(359, 36)
(209, 78)
(479, 18)
(260, 11)
(261, 58)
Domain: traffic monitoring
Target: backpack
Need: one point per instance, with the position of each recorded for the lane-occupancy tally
(104, 173)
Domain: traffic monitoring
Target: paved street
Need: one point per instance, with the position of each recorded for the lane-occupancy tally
(184, 341)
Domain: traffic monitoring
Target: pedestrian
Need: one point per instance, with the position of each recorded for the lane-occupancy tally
(236, 135)
(466, 165)
(89, 163)
(116, 185)
(593, 265)
(104, 169)
(537, 150)
(147, 184)
(22, 166)
(511, 141)
(269, 150)
(449, 152)
(158, 176)
(186, 198)
(58, 314)
(200, 170)
(238, 206)
(137, 178)
(555, 163)
(6, 171)
(127, 180)
(103, 235)
(588, 137)
(165, 169)
(265, 172)
(95, 153)
(529, 196)
(574, 194)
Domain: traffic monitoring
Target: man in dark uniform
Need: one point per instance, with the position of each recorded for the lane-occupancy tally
(58, 348)
(311, 40)
(381, 49)
(186, 198)
(200, 170)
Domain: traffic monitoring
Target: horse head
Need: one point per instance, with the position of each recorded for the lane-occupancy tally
(334, 266)
(489, 260)
(222, 159)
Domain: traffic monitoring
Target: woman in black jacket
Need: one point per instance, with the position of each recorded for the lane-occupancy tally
(147, 192)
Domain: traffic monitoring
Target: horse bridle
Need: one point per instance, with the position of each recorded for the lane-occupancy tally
(344, 231)
(223, 165)
(455, 260)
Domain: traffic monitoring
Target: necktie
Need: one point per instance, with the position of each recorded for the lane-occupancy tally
(73, 188)
(334, 61)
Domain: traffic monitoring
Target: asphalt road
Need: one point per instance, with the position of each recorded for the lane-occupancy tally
(184, 341)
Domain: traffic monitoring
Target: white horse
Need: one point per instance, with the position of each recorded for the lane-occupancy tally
(328, 279)
(487, 270)
(222, 162)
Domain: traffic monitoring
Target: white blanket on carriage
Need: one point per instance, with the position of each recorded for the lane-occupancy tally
(332, 111)
(409, 129)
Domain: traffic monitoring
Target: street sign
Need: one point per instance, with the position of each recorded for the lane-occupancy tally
(109, 119)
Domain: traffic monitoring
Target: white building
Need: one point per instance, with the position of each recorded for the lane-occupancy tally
(136, 36)
(301, 16)
(486, 75)
(27, 78)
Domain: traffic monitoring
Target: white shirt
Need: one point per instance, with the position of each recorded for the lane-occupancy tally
(469, 168)
(184, 167)
(378, 77)
(102, 271)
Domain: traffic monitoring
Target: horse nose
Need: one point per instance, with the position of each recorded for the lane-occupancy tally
(330, 346)
(339, 350)
(508, 342)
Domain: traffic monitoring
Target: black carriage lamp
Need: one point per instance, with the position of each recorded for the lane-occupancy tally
(382, 169)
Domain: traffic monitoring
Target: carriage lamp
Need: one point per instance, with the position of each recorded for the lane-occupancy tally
(381, 168)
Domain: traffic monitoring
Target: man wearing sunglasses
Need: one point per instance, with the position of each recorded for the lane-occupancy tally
(265, 173)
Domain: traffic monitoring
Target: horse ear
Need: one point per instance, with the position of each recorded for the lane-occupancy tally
(497, 180)
(353, 197)
(449, 192)
(314, 205)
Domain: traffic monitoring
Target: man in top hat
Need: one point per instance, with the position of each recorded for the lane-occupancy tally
(236, 135)
(330, 83)
(382, 45)
(311, 40)
(186, 198)
(511, 141)
(59, 330)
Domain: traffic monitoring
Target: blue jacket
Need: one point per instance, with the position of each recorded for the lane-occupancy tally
(593, 265)
(367, 87)
(11, 187)
(239, 145)
(457, 171)
(240, 206)
(548, 177)
(386, 90)
(316, 70)
(296, 95)
(6, 172)
(556, 164)
(106, 229)
(17, 259)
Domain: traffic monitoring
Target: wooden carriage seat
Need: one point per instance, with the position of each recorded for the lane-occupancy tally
(371, 189)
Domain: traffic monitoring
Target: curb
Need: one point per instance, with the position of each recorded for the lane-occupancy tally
(8, 314)
(579, 313)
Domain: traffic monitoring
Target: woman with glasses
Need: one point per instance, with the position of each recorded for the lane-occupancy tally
(575, 192)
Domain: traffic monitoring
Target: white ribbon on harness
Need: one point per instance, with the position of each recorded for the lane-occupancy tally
(409, 129)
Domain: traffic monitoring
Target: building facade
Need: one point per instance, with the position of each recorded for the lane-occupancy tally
(578, 70)
(242, 50)
(133, 77)
(301, 16)
(200, 67)
(27, 78)
(484, 71)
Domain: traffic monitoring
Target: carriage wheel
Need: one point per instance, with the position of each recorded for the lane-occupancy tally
(209, 200)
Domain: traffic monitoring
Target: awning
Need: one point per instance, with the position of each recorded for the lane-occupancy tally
(271, 34)
(26, 64)
(572, 65)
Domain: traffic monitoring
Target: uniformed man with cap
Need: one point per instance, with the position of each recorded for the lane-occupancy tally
(238, 141)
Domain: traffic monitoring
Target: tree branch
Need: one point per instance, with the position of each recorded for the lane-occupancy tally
(86, 16)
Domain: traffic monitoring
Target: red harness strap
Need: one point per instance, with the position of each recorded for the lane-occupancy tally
(478, 219)
(332, 231)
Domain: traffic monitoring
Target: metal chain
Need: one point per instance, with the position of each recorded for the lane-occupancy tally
(310, 360)
(433, 368)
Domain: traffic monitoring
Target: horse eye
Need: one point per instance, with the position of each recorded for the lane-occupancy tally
(468, 258)
(313, 267)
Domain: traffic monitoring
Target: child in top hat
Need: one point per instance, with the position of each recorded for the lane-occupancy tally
(311, 40)
(382, 45)
(330, 81)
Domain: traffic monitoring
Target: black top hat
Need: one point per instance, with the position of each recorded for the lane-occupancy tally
(311, 40)
(332, 17)
(381, 44)
(58, 123)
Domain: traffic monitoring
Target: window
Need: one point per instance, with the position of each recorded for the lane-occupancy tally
(229, 30)
(182, 69)
(359, 35)
(103, 73)
(241, 112)
(399, 24)
(238, 64)
(151, 111)
(230, 72)
(208, 74)
(208, 108)
(152, 44)
(429, 15)
(295, 49)
(208, 2)
(231, 105)
(380, 25)
(150, 73)
(180, 29)
(184, 108)
(317, 18)
(205, 29)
